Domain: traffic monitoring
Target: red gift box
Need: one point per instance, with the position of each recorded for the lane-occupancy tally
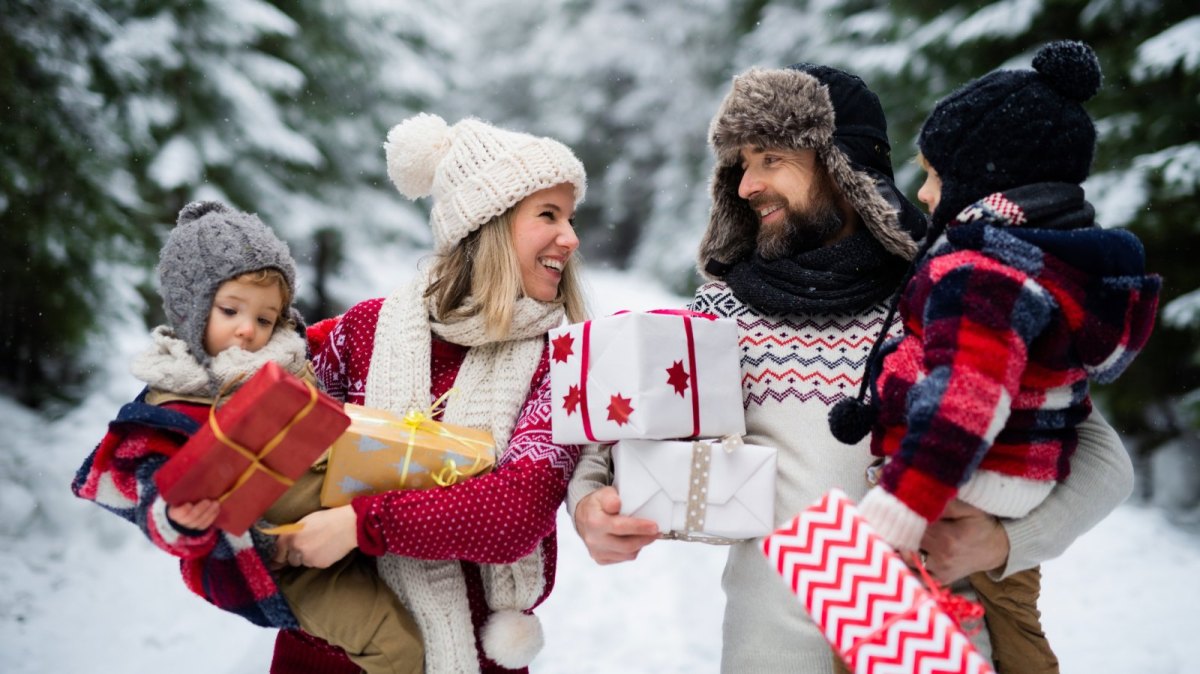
(876, 613)
(254, 447)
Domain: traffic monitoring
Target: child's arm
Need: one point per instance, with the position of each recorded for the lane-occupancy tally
(119, 476)
(979, 317)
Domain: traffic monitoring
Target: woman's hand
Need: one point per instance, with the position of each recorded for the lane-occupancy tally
(964, 541)
(197, 516)
(611, 537)
(325, 537)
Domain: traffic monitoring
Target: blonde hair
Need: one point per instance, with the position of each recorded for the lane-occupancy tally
(484, 266)
(268, 277)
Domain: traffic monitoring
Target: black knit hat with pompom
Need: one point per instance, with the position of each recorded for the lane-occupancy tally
(1014, 127)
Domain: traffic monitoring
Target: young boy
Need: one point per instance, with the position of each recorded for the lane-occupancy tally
(1020, 300)
(227, 284)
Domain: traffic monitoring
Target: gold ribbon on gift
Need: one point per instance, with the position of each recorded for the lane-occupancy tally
(416, 421)
(256, 459)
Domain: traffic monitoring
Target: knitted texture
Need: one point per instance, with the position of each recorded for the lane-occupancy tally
(794, 368)
(804, 107)
(1014, 127)
(509, 512)
(210, 244)
(475, 171)
(1005, 321)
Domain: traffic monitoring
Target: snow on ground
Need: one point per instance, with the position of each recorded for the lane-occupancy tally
(80, 591)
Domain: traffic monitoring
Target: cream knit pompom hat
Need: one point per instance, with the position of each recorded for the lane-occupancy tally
(475, 171)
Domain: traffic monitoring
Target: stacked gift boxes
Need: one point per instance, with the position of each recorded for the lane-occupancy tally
(665, 386)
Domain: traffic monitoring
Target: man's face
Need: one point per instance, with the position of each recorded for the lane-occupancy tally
(794, 199)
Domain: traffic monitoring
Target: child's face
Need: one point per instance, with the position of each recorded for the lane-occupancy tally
(243, 314)
(930, 193)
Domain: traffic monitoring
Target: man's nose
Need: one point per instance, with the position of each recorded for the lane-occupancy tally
(749, 186)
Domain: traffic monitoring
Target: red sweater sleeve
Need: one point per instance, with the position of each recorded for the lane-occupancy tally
(494, 518)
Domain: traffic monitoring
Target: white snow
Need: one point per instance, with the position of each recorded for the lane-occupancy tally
(81, 591)
(1179, 44)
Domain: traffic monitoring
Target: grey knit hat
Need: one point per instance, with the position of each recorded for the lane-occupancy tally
(212, 243)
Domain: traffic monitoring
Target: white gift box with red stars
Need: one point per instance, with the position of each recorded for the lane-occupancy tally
(653, 375)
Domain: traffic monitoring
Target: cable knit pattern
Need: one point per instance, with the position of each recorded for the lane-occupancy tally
(508, 512)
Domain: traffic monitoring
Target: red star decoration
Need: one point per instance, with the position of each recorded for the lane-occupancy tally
(562, 347)
(572, 400)
(619, 410)
(677, 377)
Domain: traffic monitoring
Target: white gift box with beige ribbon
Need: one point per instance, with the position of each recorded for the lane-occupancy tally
(646, 375)
(712, 491)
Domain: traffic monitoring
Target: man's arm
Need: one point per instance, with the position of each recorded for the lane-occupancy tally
(967, 540)
(1101, 479)
(595, 509)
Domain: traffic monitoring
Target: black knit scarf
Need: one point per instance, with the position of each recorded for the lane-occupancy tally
(847, 276)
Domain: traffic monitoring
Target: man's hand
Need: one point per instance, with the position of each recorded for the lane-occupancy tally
(609, 536)
(965, 540)
(326, 537)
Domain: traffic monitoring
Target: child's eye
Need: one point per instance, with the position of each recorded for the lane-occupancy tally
(228, 311)
(266, 322)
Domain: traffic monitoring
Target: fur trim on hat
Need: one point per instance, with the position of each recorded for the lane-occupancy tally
(792, 110)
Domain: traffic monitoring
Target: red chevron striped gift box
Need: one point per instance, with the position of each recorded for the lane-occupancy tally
(879, 617)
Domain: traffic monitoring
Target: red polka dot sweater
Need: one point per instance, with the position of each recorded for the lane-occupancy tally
(495, 518)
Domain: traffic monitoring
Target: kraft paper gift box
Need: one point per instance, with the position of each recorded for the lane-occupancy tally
(254, 447)
(651, 375)
(709, 491)
(879, 617)
(382, 451)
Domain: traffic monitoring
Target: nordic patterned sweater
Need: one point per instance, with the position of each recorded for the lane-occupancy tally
(509, 511)
(794, 368)
(228, 571)
(1019, 304)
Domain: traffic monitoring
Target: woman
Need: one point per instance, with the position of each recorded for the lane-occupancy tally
(472, 560)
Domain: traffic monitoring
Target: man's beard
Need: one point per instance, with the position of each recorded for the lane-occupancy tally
(800, 230)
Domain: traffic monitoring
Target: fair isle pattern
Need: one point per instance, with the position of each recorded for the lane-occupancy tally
(869, 605)
(532, 438)
(994, 206)
(819, 357)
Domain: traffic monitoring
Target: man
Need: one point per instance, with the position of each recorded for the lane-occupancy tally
(807, 239)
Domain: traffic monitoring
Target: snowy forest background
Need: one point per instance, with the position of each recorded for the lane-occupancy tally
(116, 113)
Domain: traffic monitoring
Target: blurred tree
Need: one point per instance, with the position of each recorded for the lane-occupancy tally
(121, 112)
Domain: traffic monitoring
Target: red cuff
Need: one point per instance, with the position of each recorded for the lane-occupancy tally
(370, 539)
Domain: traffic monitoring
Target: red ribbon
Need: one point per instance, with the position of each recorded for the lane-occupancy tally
(687, 315)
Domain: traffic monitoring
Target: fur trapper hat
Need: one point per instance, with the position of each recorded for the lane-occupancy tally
(475, 171)
(1014, 127)
(805, 106)
(211, 244)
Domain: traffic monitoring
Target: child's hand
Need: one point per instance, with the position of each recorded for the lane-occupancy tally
(197, 516)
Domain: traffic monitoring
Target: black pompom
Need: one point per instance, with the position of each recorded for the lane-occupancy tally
(1070, 68)
(850, 420)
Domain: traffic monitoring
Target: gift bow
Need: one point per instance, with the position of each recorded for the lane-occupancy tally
(256, 459)
(416, 420)
(967, 614)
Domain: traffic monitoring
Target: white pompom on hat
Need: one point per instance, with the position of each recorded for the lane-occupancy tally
(474, 171)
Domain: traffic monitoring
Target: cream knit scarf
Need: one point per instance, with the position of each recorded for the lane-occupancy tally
(491, 388)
